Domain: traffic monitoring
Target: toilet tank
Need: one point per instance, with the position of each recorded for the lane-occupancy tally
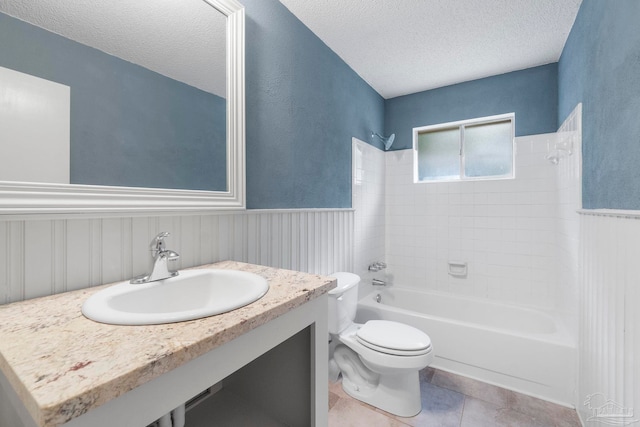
(343, 301)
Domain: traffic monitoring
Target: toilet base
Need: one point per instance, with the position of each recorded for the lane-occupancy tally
(396, 394)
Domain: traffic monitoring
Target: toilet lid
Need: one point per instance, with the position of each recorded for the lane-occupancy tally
(394, 338)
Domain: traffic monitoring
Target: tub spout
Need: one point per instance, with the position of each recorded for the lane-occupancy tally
(378, 282)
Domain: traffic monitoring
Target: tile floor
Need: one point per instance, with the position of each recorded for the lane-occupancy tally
(450, 400)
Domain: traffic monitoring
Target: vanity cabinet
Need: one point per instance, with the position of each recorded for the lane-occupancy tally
(273, 390)
(275, 360)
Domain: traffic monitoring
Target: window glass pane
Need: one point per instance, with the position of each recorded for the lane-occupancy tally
(439, 155)
(488, 149)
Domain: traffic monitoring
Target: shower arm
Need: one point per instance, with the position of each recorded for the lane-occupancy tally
(386, 141)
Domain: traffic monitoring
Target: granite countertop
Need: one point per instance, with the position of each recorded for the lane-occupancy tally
(62, 364)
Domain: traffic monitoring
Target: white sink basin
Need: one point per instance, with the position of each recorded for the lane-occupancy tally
(191, 295)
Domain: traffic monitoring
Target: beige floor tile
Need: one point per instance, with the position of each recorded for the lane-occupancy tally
(426, 374)
(349, 413)
(450, 400)
(480, 413)
(333, 399)
(473, 388)
(440, 407)
(545, 411)
(336, 387)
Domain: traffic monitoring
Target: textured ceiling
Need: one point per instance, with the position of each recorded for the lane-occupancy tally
(397, 46)
(184, 40)
(406, 46)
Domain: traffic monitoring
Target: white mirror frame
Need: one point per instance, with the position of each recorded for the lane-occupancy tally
(18, 198)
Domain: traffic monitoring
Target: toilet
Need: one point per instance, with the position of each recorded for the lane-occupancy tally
(379, 360)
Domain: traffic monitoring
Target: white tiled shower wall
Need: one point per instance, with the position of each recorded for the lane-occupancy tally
(519, 237)
(368, 182)
(504, 230)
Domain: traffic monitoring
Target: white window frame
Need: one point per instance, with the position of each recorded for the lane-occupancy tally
(461, 124)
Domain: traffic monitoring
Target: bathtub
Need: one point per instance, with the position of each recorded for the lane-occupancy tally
(512, 347)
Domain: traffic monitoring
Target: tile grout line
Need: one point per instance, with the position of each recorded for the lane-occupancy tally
(464, 407)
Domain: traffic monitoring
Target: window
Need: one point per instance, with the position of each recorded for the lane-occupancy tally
(467, 150)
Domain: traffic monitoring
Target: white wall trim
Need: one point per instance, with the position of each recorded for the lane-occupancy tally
(614, 213)
(162, 213)
(277, 211)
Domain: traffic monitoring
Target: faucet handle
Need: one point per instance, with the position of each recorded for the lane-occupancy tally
(157, 244)
(377, 266)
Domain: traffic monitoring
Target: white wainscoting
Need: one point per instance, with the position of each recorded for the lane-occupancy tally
(47, 256)
(609, 350)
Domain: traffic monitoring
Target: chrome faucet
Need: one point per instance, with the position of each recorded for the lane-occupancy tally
(160, 264)
(377, 266)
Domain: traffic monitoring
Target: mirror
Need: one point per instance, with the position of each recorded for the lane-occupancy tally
(158, 136)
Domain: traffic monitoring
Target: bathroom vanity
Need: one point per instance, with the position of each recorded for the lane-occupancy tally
(58, 368)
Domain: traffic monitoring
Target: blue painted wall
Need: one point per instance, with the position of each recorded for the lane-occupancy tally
(600, 67)
(122, 113)
(532, 94)
(304, 104)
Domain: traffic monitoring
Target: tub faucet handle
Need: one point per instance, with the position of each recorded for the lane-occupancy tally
(377, 266)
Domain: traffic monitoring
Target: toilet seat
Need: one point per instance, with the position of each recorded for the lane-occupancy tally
(393, 338)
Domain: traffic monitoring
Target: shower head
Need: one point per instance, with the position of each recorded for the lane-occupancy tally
(387, 141)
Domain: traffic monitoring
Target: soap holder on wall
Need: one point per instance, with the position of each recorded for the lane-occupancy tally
(457, 268)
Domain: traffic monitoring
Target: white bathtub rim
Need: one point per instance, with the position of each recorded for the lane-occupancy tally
(561, 336)
(473, 298)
